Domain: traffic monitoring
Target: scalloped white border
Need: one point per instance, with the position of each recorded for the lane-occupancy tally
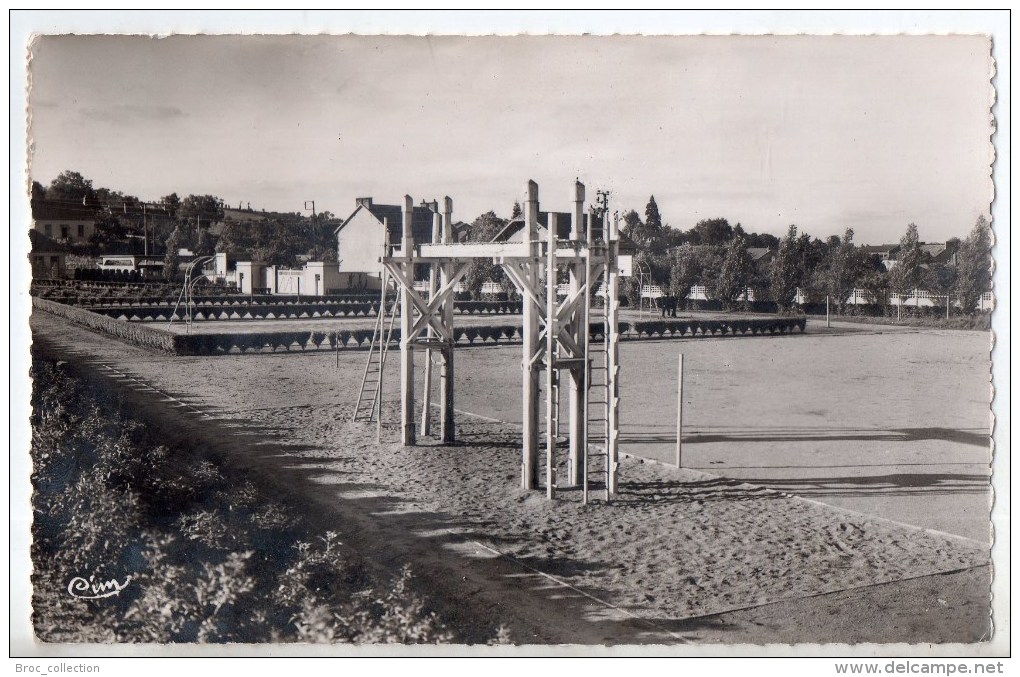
(724, 22)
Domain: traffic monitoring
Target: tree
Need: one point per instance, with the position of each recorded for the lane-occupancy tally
(875, 284)
(685, 272)
(38, 192)
(812, 252)
(517, 212)
(939, 279)
(199, 210)
(72, 188)
(653, 221)
(480, 271)
(907, 274)
(784, 272)
(204, 243)
(714, 232)
(172, 259)
(733, 275)
(842, 269)
(633, 228)
(109, 230)
(650, 236)
(171, 203)
(974, 267)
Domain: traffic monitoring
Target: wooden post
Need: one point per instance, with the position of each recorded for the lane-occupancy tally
(948, 297)
(680, 413)
(383, 338)
(613, 336)
(827, 325)
(406, 323)
(578, 330)
(426, 409)
(446, 375)
(529, 333)
(552, 374)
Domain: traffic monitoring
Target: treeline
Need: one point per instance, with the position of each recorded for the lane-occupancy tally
(719, 257)
(194, 222)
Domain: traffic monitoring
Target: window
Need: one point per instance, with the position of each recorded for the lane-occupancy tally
(49, 229)
(63, 232)
(81, 230)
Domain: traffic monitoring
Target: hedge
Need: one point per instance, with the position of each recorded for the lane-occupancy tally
(354, 339)
(136, 312)
(147, 336)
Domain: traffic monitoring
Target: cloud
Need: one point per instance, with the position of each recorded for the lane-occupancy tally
(127, 113)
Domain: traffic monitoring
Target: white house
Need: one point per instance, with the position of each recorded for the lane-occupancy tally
(361, 236)
(73, 224)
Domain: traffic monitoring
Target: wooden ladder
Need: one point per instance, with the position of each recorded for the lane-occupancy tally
(596, 463)
(370, 396)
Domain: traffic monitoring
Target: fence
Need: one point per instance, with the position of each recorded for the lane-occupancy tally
(917, 298)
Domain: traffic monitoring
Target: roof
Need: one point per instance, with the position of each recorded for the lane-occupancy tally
(393, 216)
(61, 211)
(879, 248)
(933, 248)
(758, 252)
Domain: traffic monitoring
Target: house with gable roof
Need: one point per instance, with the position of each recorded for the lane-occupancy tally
(362, 235)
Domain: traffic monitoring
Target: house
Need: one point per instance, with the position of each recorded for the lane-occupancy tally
(47, 256)
(70, 223)
(886, 253)
(761, 255)
(147, 266)
(939, 252)
(361, 236)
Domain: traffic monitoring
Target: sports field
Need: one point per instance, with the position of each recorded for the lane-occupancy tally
(876, 440)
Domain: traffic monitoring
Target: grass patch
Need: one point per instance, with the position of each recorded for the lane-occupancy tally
(979, 321)
(210, 557)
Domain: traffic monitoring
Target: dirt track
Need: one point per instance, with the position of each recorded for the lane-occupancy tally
(635, 579)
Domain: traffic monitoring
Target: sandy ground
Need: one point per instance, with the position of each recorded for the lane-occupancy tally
(893, 423)
(683, 555)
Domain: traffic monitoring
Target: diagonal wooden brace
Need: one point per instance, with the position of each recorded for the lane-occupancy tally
(421, 306)
(436, 302)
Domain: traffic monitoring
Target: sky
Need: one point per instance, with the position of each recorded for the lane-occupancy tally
(826, 133)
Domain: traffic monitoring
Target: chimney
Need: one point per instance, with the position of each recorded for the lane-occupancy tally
(363, 201)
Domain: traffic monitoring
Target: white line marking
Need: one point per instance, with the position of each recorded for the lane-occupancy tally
(578, 591)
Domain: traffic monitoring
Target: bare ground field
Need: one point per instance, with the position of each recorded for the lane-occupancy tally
(684, 555)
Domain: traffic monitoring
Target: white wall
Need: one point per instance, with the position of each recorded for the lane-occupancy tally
(360, 244)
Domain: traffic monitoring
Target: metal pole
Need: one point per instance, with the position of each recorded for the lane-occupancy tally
(680, 412)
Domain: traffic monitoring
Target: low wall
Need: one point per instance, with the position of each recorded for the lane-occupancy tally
(139, 334)
(149, 336)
